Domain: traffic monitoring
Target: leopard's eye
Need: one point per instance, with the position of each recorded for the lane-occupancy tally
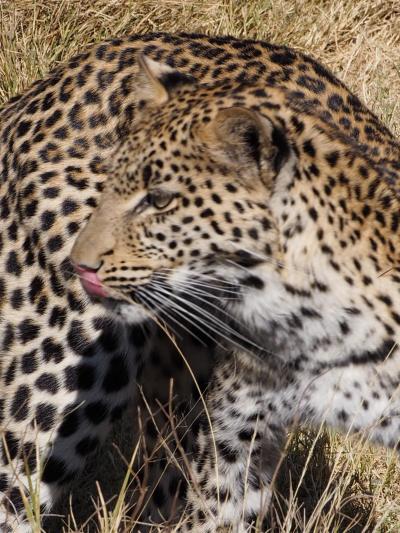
(160, 199)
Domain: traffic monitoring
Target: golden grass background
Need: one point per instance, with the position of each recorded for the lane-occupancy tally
(328, 483)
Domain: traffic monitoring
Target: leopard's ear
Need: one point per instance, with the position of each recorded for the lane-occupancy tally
(250, 142)
(156, 81)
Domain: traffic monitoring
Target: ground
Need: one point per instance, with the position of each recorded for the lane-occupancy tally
(335, 483)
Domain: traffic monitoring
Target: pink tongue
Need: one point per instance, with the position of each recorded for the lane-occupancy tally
(91, 282)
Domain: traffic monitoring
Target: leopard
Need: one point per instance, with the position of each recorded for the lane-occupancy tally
(215, 121)
(281, 189)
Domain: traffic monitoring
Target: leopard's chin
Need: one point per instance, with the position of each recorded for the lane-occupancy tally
(129, 313)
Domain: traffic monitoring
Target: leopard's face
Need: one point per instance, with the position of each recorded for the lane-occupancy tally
(185, 209)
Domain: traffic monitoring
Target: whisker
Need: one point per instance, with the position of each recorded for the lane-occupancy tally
(197, 323)
(200, 274)
(197, 288)
(177, 310)
(163, 307)
(214, 319)
(183, 312)
(198, 282)
(147, 302)
(219, 309)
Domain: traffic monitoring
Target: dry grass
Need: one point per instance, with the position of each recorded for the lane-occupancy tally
(357, 39)
(327, 483)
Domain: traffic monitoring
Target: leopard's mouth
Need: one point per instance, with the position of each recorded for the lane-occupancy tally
(99, 293)
(195, 302)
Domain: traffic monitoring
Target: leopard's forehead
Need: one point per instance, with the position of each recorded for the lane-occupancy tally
(166, 144)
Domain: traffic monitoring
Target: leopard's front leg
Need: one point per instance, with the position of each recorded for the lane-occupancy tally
(238, 450)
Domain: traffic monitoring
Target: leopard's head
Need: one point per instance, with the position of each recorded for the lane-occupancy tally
(225, 200)
(185, 210)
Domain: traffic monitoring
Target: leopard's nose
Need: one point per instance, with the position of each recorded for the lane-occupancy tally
(90, 281)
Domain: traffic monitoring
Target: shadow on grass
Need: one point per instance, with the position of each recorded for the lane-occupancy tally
(105, 470)
(316, 492)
